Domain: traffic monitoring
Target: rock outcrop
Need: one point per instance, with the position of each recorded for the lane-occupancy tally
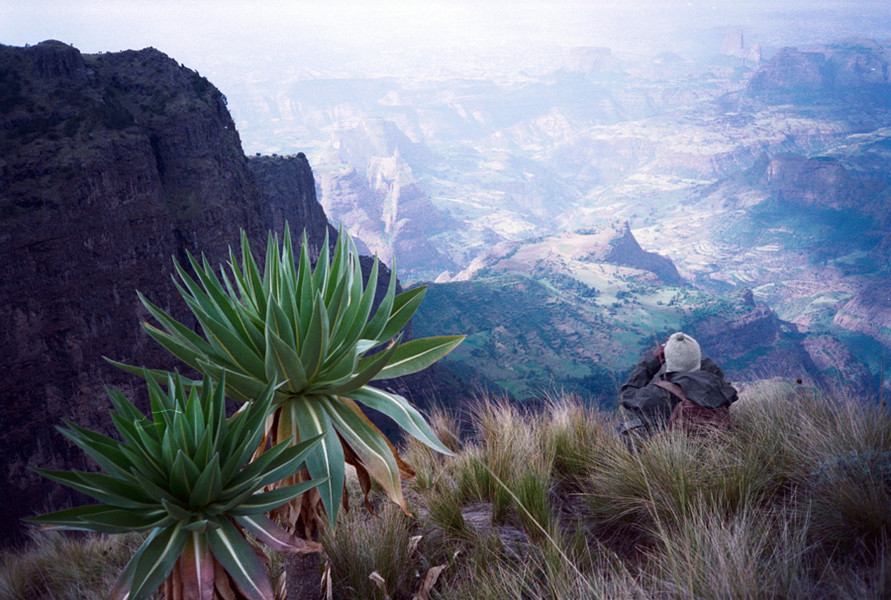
(111, 165)
(790, 70)
(387, 209)
(819, 182)
(624, 250)
(869, 311)
(757, 339)
(853, 64)
(612, 244)
(289, 196)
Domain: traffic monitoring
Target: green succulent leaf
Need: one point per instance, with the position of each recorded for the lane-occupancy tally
(183, 476)
(187, 337)
(304, 416)
(417, 355)
(172, 344)
(104, 450)
(201, 526)
(123, 587)
(283, 363)
(126, 409)
(208, 486)
(156, 560)
(315, 344)
(374, 327)
(122, 520)
(244, 388)
(397, 408)
(368, 444)
(404, 306)
(176, 510)
(101, 518)
(262, 502)
(368, 369)
(239, 560)
(103, 488)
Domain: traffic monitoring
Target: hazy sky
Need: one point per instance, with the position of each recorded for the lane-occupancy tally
(207, 34)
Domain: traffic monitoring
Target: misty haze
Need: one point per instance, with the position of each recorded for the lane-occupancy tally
(572, 181)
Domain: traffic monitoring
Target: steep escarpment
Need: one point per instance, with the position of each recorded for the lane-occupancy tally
(289, 195)
(376, 194)
(816, 182)
(756, 342)
(111, 165)
(853, 65)
(869, 311)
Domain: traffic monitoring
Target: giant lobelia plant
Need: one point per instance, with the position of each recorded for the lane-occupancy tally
(314, 332)
(186, 476)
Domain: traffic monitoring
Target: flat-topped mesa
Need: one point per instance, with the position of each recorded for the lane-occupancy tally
(847, 65)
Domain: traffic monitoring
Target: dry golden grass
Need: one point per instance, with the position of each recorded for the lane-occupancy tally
(793, 502)
(61, 566)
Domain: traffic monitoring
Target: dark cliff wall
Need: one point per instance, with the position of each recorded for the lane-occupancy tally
(289, 196)
(109, 165)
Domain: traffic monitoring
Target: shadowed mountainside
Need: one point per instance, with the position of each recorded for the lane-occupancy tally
(110, 164)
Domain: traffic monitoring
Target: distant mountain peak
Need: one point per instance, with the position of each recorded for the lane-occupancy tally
(611, 243)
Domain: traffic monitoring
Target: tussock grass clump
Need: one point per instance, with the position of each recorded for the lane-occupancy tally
(65, 567)
(793, 502)
(755, 553)
(371, 557)
(509, 457)
(851, 501)
(577, 436)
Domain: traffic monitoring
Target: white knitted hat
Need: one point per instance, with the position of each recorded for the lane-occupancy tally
(682, 354)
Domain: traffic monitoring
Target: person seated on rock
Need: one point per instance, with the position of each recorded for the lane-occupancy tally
(675, 374)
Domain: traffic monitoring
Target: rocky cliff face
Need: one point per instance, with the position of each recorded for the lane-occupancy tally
(755, 344)
(383, 204)
(821, 181)
(289, 196)
(869, 311)
(861, 65)
(109, 165)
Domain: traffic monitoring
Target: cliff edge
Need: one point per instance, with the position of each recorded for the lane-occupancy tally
(110, 165)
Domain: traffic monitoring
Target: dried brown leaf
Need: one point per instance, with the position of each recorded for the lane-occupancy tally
(429, 581)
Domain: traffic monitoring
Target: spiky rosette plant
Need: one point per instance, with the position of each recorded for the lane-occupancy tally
(186, 476)
(314, 331)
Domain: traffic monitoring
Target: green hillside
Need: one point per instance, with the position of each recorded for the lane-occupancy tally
(531, 333)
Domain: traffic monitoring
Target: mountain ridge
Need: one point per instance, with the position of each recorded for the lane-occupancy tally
(112, 163)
